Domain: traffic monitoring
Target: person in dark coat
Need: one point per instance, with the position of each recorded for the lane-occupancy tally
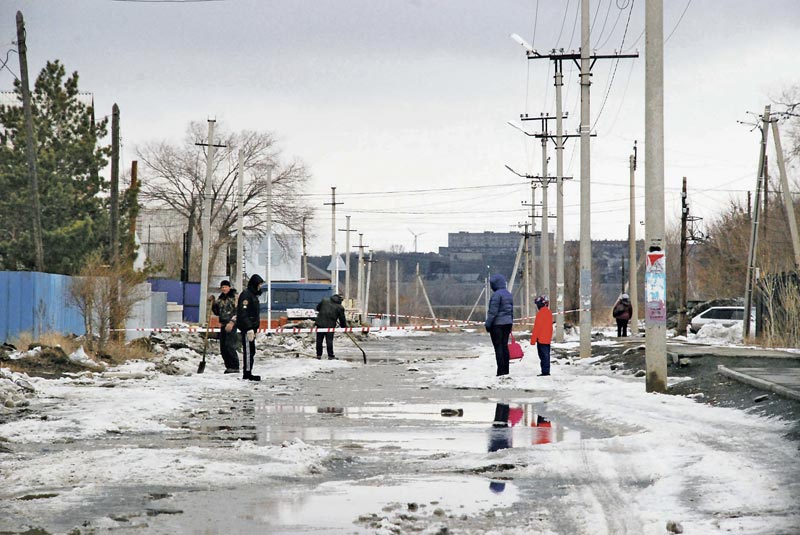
(499, 319)
(248, 320)
(329, 312)
(622, 312)
(225, 309)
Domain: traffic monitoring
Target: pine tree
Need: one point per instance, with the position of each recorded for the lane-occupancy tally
(74, 216)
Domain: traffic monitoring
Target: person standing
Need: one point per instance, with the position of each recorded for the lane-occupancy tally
(225, 309)
(248, 319)
(622, 312)
(329, 312)
(499, 319)
(542, 334)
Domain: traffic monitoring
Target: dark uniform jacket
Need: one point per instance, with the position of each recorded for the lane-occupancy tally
(248, 314)
(329, 310)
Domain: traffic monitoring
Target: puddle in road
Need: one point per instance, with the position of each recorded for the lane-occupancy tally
(416, 428)
(338, 505)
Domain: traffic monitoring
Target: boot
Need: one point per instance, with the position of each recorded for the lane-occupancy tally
(247, 376)
(331, 357)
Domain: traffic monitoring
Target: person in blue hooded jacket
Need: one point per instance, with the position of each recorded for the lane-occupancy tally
(499, 320)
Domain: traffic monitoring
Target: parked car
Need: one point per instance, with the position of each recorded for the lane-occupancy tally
(725, 316)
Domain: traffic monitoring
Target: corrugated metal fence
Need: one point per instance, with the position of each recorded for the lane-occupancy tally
(36, 303)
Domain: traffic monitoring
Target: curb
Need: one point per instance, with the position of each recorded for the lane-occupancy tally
(759, 383)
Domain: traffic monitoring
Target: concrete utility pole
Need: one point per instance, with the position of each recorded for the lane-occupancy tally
(305, 253)
(366, 289)
(751, 257)
(559, 308)
(30, 145)
(360, 285)
(397, 292)
(656, 279)
(347, 231)
(528, 271)
(684, 263)
(114, 194)
(206, 218)
(239, 275)
(633, 286)
(131, 243)
(269, 247)
(388, 290)
(787, 196)
(334, 260)
(585, 255)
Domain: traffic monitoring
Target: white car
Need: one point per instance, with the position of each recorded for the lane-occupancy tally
(725, 316)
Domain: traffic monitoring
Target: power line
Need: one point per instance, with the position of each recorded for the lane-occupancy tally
(413, 191)
(679, 21)
(616, 64)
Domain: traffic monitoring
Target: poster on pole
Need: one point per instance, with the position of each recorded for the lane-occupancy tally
(655, 283)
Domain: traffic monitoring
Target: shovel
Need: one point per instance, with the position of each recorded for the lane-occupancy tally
(202, 367)
(353, 339)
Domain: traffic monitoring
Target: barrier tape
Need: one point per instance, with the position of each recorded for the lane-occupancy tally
(363, 330)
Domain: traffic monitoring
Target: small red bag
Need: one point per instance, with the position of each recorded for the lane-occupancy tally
(515, 350)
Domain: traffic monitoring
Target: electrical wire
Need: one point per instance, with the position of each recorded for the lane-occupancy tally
(679, 21)
(563, 20)
(5, 63)
(411, 191)
(614, 73)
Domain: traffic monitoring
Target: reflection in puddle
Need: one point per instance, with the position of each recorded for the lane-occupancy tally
(337, 505)
(416, 428)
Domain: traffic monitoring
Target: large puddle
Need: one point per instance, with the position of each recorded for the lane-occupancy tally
(415, 428)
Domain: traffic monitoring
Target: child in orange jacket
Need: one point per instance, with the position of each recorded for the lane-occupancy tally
(542, 333)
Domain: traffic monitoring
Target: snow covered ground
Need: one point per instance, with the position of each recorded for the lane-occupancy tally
(661, 458)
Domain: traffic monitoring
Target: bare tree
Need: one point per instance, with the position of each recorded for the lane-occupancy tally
(174, 176)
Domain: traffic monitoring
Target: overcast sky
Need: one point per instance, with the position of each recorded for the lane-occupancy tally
(383, 96)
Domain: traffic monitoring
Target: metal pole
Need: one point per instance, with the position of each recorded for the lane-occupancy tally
(633, 288)
(347, 260)
(269, 247)
(239, 275)
(206, 221)
(751, 257)
(559, 207)
(30, 145)
(585, 231)
(787, 196)
(656, 334)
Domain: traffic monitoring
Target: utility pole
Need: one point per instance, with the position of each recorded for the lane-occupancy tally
(388, 289)
(751, 257)
(559, 81)
(269, 247)
(586, 212)
(239, 275)
(787, 198)
(528, 271)
(334, 260)
(114, 195)
(656, 277)
(347, 231)
(366, 289)
(360, 285)
(30, 145)
(633, 286)
(397, 292)
(206, 218)
(684, 264)
(305, 253)
(131, 247)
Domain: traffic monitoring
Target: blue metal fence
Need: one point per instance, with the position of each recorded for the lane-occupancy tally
(37, 303)
(183, 293)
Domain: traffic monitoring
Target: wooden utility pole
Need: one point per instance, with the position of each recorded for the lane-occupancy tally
(751, 257)
(114, 200)
(684, 263)
(131, 242)
(787, 197)
(30, 145)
